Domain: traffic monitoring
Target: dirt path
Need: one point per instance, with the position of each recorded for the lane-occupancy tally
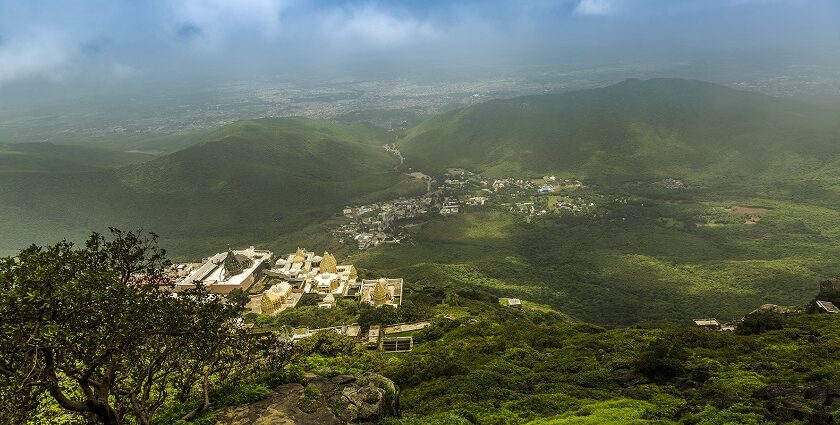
(392, 149)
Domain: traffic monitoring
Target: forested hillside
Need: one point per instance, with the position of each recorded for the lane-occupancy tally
(243, 183)
(708, 135)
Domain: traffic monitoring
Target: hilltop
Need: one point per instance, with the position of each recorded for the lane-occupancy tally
(245, 182)
(635, 130)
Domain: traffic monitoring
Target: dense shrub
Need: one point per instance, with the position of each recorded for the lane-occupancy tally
(229, 395)
(663, 359)
(326, 343)
(760, 322)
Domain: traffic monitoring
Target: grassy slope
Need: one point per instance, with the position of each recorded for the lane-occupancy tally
(510, 370)
(48, 157)
(245, 183)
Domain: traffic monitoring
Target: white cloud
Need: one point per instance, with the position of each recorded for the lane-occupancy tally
(210, 22)
(595, 7)
(373, 26)
(42, 54)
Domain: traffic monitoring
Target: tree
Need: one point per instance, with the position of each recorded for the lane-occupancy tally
(760, 322)
(92, 329)
(238, 297)
(663, 359)
(325, 343)
(370, 315)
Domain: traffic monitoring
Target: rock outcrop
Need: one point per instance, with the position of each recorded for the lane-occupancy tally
(346, 399)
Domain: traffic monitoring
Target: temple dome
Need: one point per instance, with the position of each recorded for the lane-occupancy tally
(328, 264)
(299, 256)
(234, 264)
(380, 292)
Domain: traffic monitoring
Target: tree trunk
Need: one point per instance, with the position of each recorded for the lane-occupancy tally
(205, 389)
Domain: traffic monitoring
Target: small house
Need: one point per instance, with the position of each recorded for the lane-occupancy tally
(827, 307)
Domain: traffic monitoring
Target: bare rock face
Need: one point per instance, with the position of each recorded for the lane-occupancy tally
(346, 399)
(362, 399)
(830, 290)
(279, 408)
(830, 286)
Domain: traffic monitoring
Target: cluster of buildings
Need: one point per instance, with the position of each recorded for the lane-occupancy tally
(507, 183)
(375, 224)
(223, 272)
(567, 204)
(450, 206)
(284, 281)
(372, 225)
(391, 338)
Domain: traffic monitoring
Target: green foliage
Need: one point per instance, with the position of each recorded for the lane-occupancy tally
(438, 419)
(309, 300)
(232, 395)
(733, 415)
(610, 271)
(90, 330)
(326, 343)
(311, 400)
(516, 366)
(48, 157)
(271, 379)
(735, 383)
(238, 297)
(619, 411)
(311, 391)
(172, 415)
(370, 315)
(761, 321)
(663, 359)
(649, 130)
(271, 176)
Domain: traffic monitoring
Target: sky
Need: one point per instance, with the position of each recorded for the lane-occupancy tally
(67, 42)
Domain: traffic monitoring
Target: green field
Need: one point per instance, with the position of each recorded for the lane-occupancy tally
(643, 268)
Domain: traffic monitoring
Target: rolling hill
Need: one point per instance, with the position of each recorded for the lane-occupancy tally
(49, 157)
(244, 183)
(660, 255)
(629, 265)
(636, 130)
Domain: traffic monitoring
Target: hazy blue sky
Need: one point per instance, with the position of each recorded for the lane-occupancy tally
(84, 40)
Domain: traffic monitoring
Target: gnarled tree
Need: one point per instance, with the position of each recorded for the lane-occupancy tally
(90, 328)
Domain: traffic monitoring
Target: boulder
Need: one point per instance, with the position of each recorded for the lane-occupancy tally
(347, 399)
(830, 286)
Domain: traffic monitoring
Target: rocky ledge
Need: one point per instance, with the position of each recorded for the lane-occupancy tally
(342, 399)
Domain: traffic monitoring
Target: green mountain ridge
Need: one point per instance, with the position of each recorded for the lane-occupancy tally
(658, 255)
(241, 184)
(634, 130)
